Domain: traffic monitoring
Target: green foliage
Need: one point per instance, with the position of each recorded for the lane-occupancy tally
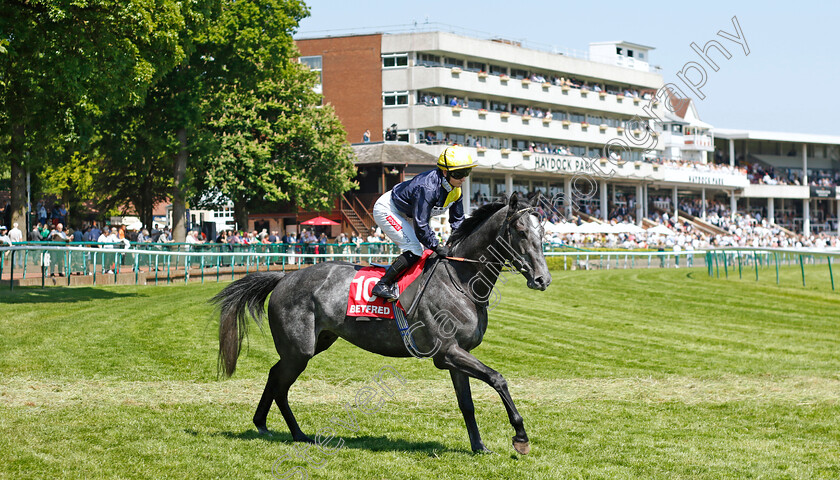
(274, 141)
(67, 62)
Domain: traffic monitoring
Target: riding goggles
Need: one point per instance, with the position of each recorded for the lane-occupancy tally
(459, 174)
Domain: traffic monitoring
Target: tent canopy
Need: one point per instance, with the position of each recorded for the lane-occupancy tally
(319, 221)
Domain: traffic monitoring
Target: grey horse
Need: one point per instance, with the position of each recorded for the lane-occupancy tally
(306, 312)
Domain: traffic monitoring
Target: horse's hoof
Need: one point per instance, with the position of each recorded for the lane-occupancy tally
(264, 431)
(304, 439)
(482, 451)
(522, 448)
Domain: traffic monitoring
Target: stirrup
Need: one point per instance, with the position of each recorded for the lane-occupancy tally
(389, 292)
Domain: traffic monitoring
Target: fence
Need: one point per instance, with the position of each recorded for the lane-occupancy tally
(612, 260)
(753, 260)
(154, 263)
(166, 262)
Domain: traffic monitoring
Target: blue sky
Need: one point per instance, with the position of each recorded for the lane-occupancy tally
(787, 82)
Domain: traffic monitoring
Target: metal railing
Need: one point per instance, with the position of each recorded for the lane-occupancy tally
(166, 261)
(752, 260)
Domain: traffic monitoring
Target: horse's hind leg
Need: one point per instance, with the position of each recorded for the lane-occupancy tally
(280, 378)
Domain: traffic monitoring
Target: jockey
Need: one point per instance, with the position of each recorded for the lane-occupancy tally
(404, 213)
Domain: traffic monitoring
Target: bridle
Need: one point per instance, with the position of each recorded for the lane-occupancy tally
(504, 234)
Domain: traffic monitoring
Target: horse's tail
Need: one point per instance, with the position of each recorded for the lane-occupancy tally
(246, 295)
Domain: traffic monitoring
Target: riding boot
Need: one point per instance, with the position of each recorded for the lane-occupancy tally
(387, 287)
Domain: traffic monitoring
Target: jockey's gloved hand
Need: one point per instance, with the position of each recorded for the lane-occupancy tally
(442, 250)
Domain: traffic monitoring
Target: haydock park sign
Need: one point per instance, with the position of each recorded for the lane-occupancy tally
(565, 164)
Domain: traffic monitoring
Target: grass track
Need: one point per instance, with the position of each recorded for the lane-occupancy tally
(618, 374)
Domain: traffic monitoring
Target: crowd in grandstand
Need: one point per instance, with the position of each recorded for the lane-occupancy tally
(767, 175)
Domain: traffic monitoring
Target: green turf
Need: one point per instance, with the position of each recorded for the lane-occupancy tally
(618, 374)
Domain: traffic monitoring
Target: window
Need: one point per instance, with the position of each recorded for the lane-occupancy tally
(577, 151)
(476, 67)
(517, 73)
(630, 53)
(314, 64)
(641, 56)
(428, 60)
(520, 186)
(498, 70)
(498, 106)
(428, 98)
(476, 104)
(395, 60)
(391, 99)
(453, 62)
(497, 143)
(520, 145)
(577, 117)
(618, 50)
(594, 153)
(480, 188)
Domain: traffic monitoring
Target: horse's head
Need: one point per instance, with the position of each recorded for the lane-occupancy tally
(521, 237)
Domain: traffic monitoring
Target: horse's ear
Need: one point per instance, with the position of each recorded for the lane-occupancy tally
(535, 200)
(513, 201)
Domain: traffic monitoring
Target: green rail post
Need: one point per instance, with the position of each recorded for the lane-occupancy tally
(137, 269)
(755, 261)
(202, 269)
(169, 269)
(25, 256)
(802, 268)
(11, 271)
(830, 273)
(739, 265)
(776, 256)
(725, 267)
(717, 265)
(157, 257)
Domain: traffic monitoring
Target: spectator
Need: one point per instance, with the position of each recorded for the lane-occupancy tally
(15, 235)
(35, 234)
(108, 238)
(366, 136)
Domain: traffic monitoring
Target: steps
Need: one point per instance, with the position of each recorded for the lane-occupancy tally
(703, 225)
(354, 221)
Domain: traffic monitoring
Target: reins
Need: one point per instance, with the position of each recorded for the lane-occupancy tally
(503, 229)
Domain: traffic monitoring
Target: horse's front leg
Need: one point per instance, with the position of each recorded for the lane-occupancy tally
(458, 359)
(465, 402)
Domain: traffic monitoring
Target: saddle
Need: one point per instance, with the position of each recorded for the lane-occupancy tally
(360, 302)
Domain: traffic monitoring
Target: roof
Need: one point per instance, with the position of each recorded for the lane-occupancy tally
(731, 134)
(622, 42)
(388, 153)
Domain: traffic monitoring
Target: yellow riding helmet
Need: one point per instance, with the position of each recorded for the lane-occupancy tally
(455, 158)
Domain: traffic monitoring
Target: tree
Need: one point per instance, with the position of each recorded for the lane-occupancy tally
(274, 139)
(63, 64)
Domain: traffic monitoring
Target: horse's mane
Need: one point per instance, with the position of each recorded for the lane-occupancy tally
(470, 224)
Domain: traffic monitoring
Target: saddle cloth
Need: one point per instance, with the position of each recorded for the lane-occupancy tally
(360, 302)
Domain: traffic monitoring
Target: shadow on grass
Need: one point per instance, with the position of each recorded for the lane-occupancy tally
(23, 295)
(366, 442)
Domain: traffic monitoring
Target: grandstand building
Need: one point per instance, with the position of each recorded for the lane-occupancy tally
(793, 177)
(534, 120)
